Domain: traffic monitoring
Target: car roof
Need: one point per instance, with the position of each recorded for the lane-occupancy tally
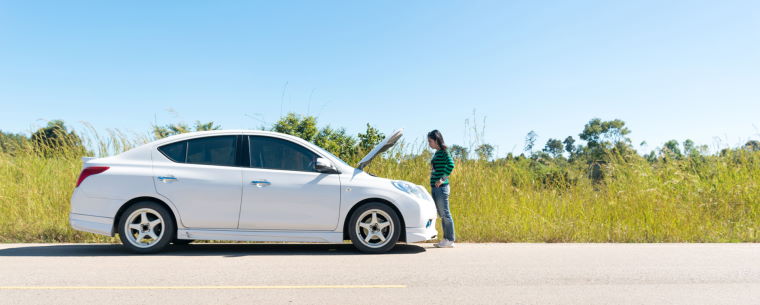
(137, 151)
(198, 134)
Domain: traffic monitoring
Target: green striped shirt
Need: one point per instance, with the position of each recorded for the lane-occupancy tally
(441, 167)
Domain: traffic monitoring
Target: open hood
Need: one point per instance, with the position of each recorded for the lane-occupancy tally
(384, 145)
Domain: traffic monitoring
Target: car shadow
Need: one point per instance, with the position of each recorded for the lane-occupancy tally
(201, 249)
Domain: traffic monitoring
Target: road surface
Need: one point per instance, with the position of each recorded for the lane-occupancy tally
(410, 274)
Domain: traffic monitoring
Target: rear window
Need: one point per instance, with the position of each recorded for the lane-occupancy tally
(176, 152)
(212, 150)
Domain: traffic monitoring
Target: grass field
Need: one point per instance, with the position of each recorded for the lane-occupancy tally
(710, 199)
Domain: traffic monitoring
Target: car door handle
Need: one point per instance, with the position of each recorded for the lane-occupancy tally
(260, 183)
(167, 179)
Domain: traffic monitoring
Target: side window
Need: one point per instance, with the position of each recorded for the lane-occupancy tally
(273, 153)
(219, 150)
(176, 152)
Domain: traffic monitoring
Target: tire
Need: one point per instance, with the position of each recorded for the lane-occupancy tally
(374, 228)
(146, 227)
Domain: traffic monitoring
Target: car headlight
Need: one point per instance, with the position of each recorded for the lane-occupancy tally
(411, 189)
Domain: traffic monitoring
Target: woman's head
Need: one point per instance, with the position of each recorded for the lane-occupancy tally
(435, 140)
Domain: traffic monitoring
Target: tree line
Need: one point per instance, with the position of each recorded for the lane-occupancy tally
(603, 142)
(56, 138)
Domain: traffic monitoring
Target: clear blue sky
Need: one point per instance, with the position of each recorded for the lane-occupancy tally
(670, 69)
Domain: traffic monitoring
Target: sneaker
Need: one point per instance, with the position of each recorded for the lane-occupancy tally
(444, 244)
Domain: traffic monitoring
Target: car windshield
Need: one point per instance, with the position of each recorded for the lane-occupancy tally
(322, 150)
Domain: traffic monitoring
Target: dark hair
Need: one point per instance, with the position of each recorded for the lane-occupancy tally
(438, 138)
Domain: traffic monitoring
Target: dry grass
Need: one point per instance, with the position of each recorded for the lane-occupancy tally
(712, 199)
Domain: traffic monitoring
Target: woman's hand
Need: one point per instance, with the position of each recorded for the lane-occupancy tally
(438, 183)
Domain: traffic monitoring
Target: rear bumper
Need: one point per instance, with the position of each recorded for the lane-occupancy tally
(92, 224)
(414, 235)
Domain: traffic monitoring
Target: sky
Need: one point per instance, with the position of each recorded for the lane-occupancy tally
(670, 69)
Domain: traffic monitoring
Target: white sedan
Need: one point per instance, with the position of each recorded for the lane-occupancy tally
(246, 185)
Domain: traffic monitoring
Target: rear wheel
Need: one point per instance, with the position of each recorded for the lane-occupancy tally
(374, 228)
(146, 227)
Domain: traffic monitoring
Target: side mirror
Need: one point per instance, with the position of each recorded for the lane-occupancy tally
(323, 165)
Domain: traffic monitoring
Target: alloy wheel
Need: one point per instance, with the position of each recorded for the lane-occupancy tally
(144, 228)
(374, 228)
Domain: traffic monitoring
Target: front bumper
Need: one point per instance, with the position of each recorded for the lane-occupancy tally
(423, 226)
(414, 235)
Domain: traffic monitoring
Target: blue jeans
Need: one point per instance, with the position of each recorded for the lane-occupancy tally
(441, 198)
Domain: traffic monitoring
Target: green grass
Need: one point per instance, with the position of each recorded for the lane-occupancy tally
(710, 199)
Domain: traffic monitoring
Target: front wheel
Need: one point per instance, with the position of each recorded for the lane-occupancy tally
(146, 227)
(374, 228)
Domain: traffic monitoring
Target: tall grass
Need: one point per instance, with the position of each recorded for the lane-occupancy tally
(715, 199)
(709, 199)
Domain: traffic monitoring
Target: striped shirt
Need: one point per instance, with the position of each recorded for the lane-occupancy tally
(441, 167)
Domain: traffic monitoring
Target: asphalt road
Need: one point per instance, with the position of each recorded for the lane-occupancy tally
(410, 274)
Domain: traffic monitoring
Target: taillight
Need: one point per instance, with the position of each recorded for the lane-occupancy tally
(93, 170)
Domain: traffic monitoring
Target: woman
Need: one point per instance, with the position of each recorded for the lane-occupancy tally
(441, 167)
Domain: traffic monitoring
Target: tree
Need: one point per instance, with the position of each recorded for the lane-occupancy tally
(605, 136)
(12, 142)
(671, 149)
(160, 132)
(206, 126)
(569, 142)
(688, 146)
(530, 140)
(484, 151)
(458, 152)
(370, 138)
(603, 133)
(293, 124)
(554, 147)
(541, 156)
(55, 139)
(337, 142)
(692, 150)
(752, 145)
(651, 156)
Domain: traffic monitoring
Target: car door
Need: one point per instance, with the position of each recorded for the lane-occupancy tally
(283, 191)
(202, 178)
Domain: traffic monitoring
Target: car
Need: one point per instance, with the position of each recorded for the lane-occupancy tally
(247, 185)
